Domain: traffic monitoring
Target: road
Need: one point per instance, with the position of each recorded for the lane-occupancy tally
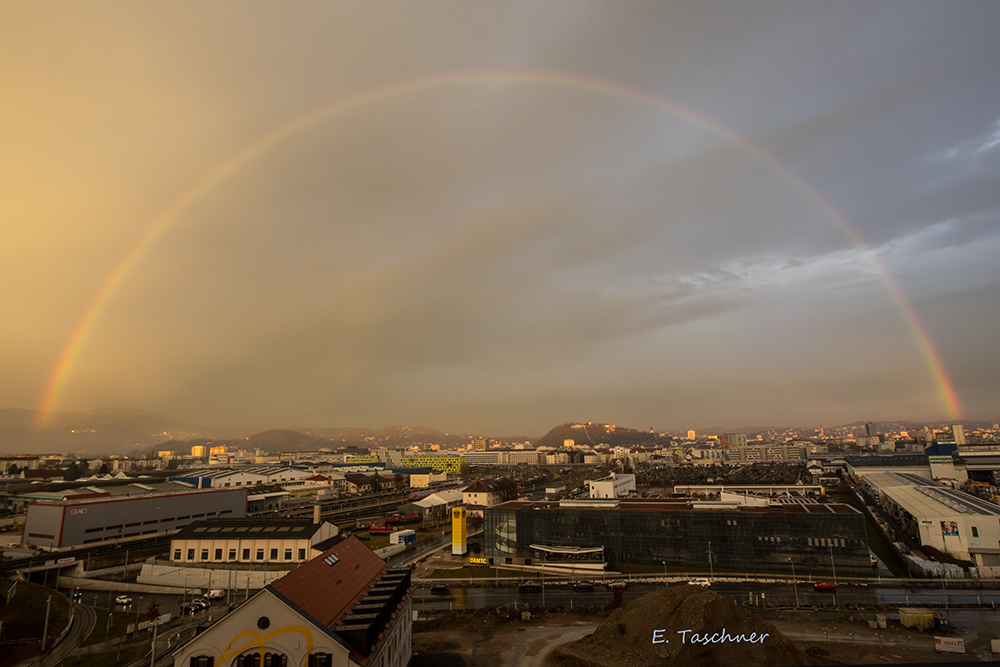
(81, 625)
(169, 604)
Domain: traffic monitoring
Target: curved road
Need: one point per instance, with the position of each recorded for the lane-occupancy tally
(81, 625)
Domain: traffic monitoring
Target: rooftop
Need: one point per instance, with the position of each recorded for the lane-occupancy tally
(886, 460)
(97, 494)
(678, 505)
(223, 529)
(925, 499)
(326, 587)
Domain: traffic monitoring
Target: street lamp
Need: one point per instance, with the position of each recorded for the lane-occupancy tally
(833, 565)
(665, 574)
(711, 566)
(795, 583)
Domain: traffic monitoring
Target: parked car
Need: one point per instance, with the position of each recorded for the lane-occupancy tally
(583, 586)
(529, 587)
(123, 599)
(824, 586)
(201, 603)
(700, 582)
(215, 594)
(188, 607)
(441, 589)
(617, 583)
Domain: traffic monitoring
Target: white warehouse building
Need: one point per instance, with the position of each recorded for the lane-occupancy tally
(614, 485)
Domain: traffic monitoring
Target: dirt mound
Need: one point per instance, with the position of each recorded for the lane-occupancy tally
(691, 626)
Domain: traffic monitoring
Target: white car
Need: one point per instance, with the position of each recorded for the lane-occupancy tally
(123, 599)
(700, 582)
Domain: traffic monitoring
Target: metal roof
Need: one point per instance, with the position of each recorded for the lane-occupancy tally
(925, 499)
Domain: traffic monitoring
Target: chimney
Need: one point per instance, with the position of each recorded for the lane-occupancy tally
(316, 514)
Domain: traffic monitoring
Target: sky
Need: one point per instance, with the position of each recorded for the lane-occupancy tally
(499, 217)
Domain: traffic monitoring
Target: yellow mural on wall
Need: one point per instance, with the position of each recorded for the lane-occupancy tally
(258, 640)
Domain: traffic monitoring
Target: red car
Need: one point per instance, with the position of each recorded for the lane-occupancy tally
(824, 586)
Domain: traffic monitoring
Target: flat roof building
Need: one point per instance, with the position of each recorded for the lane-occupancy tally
(681, 533)
(439, 462)
(245, 476)
(614, 485)
(921, 464)
(953, 522)
(106, 517)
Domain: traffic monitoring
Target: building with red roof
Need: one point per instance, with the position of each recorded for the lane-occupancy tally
(344, 607)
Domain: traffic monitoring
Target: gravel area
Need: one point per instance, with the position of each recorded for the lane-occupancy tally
(619, 637)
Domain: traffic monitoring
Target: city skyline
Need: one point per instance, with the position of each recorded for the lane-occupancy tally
(501, 218)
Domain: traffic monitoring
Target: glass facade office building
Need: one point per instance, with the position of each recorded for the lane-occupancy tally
(818, 538)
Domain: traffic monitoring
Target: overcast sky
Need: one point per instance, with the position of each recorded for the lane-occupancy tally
(498, 217)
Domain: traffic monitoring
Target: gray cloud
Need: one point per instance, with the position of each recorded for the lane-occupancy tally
(504, 252)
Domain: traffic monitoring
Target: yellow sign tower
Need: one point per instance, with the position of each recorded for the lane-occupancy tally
(459, 546)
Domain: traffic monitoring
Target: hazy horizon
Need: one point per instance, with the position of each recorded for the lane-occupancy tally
(502, 218)
(224, 431)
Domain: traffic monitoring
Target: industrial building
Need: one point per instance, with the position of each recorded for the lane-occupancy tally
(245, 476)
(761, 490)
(930, 467)
(933, 515)
(344, 607)
(125, 512)
(817, 538)
(614, 485)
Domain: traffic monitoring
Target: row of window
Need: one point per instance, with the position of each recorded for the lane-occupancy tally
(232, 555)
(133, 534)
(270, 660)
(826, 542)
(154, 521)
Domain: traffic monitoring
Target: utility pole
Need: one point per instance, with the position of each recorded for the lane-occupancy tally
(795, 583)
(45, 631)
(542, 570)
(711, 566)
(152, 647)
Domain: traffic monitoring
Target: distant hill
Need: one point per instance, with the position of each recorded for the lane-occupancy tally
(282, 440)
(593, 433)
(314, 439)
(110, 431)
(394, 437)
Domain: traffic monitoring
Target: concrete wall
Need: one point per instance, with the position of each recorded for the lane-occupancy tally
(159, 574)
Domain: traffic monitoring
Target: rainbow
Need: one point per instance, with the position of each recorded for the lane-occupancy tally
(85, 326)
